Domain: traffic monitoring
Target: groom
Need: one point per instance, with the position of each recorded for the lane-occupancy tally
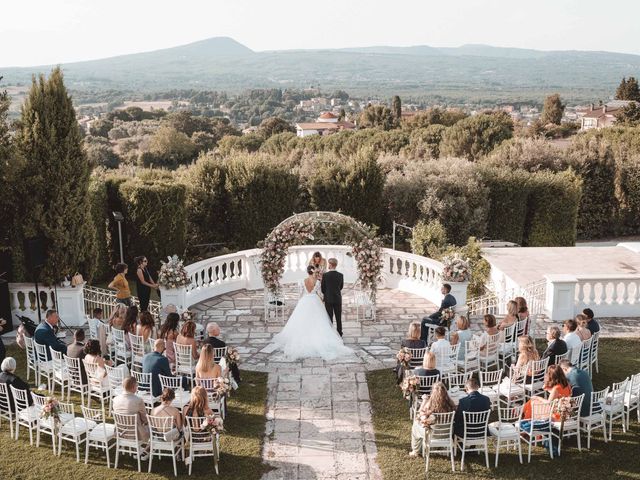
(332, 283)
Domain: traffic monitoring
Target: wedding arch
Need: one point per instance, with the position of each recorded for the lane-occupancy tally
(366, 247)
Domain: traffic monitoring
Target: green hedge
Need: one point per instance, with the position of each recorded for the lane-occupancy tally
(508, 198)
(628, 187)
(552, 210)
(100, 215)
(155, 214)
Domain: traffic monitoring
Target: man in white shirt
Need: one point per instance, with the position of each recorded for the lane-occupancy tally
(571, 338)
(442, 349)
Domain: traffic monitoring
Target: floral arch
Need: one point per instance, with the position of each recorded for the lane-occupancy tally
(366, 247)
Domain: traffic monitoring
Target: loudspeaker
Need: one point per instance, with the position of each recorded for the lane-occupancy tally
(5, 308)
(36, 253)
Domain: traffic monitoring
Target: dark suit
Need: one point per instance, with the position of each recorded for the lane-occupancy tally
(16, 382)
(215, 342)
(331, 285)
(44, 335)
(76, 350)
(156, 364)
(557, 347)
(436, 317)
(474, 402)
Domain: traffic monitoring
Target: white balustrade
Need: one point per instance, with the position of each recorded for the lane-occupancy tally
(69, 301)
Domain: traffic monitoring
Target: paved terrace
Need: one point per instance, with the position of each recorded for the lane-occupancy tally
(319, 413)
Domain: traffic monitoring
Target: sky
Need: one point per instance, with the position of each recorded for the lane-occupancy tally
(42, 32)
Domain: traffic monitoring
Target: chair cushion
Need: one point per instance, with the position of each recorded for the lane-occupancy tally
(98, 432)
(30, 414)
(595, 418)
(503, 429)
(78, 424)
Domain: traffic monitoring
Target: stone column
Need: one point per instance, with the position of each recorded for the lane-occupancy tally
(71, 305)
(560, 297)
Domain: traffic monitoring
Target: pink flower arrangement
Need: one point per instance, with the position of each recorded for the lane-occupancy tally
(51, 409)
(456, 269)
(404, 356)
(408, 386)
(173, 274)
(213, 424)
(233, 357)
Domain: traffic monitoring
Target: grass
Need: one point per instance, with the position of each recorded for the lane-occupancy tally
(618, 459)
(240, 446)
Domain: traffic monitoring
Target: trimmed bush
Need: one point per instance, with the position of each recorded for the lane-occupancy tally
(428, 239)
(474, 137)
(508, 198)
(100, 215)
(531, 154)
(628, 187)
(552, 210)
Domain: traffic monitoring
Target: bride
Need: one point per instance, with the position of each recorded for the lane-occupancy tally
(308, 332)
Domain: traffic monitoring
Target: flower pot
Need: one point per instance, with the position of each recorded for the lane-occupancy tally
(459, 292)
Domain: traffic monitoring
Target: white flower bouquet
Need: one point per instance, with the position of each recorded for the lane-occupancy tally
(173, 274)
(456, 269)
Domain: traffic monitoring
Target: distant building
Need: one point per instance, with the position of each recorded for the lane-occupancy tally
(601, 116)
(325, 124)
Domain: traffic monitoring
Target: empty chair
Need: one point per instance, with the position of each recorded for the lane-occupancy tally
(511, 389)
(159, 429)
(121, 352)
(506, 431)
(185, 364)
(488, 356)
(32, 363)
(490, 385)
(538, 428)
(45, 366)
(75, 378)
(595, 340)
(439, 438)
(25, 415)
(474, 438)
(44, 426)
(471, 361)
(127, 440)
(596, 418)
(144, 389)
(115, 376)
(203, 443)
(507, 345)
(137, 351)
(60, 373)
(101, 435)
(533, 381)
(632, 397)
(73, 430)
(221, 352)
(613, 408)
(571, 426)
(417, 355)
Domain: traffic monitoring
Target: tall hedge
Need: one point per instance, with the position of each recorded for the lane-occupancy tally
(594, 162)
(100, 216)
(628, 190)
(552, 210)
(155, 213)
(508, 198)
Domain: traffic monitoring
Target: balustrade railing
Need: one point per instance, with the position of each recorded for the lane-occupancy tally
(495, 303)
(96, 297)
(23, 299)
(608, 295)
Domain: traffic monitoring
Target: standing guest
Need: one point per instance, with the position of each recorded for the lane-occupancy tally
(121, 285)
(441, 347)
(462, 335)
(319, 263)
(45, 334)
(428, 368)
(511, 317)
(187, 337)
(571, 338)
(435, 318)
(76, 350)
(169, 333)
(144, 282)
(156, 364)
(128, 403)
(8, 376)
(592, 325)
(583, 330)
(146, 329)
(580, 383)
(198, 405)
(473, 402)
(438, 402)
(166, 409)
(206, 366)
(555, 345)
(98, 322)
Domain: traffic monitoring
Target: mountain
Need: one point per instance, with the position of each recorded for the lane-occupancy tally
(469, 72)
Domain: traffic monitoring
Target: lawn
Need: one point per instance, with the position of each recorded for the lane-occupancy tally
(240, 446)
(618, 459)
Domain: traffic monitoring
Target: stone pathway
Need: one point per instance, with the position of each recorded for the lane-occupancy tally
(319, 413)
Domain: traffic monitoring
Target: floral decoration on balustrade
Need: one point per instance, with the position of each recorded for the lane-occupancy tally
(188, 315)
(173, 274)
(51, 410)
(404, 357)
(213, 424)
(456, 268)
(300, 228)
(233, 356)
(408, 386)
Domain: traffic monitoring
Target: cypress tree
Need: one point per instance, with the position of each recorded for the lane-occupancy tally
(54, 183)
(397, 107)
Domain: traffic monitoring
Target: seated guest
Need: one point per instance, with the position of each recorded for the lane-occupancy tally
(93, 354)
(428, 368)
(580, 383)
(436, 317)
(527, 352)
(98, 322)
(213, 332)
(130, 321)
(523, 312)
(145, 329)
(490, 329)
(441, 348)
(511, 317)
(206, 366)
(128, 403)
(555, 384)
(76, 350)
(166, 409)
(571, 338)
(169, 333)
(592, 325)
(8, 376)
(412, 341)
(582, 330)
(45, 334)
(156, 364)
(198, 405)
(116, 320)
(187, 337)
(462, 335)
(473, 402)
(555, 346)
(438, 402)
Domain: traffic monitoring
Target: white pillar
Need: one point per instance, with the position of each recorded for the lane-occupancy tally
(71, 305)
(174, 296)
(561, 296)
(459, 292)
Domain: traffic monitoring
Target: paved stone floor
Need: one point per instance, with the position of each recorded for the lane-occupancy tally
(319, 413)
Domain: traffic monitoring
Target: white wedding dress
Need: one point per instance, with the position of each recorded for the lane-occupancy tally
(309, 332)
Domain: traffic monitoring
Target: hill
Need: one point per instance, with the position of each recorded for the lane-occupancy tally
(471, 72)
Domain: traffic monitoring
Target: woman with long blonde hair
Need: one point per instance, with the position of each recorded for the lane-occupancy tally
(438, 402)
(527, 351)
(206, 366)
(511, 317)
(198, 405)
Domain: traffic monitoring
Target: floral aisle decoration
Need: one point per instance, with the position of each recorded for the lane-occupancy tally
(233, 356)
(51, 411)
(409, 386)
(404, 357)
(448, 315)
(221, 386)
(456, 269)
(213, 424)
(188, 316)
(368, 255)
(173, 274)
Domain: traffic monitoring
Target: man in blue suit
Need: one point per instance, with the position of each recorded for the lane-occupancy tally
(45, 334)
(156, 364)
(473, 402)
(436, 318)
